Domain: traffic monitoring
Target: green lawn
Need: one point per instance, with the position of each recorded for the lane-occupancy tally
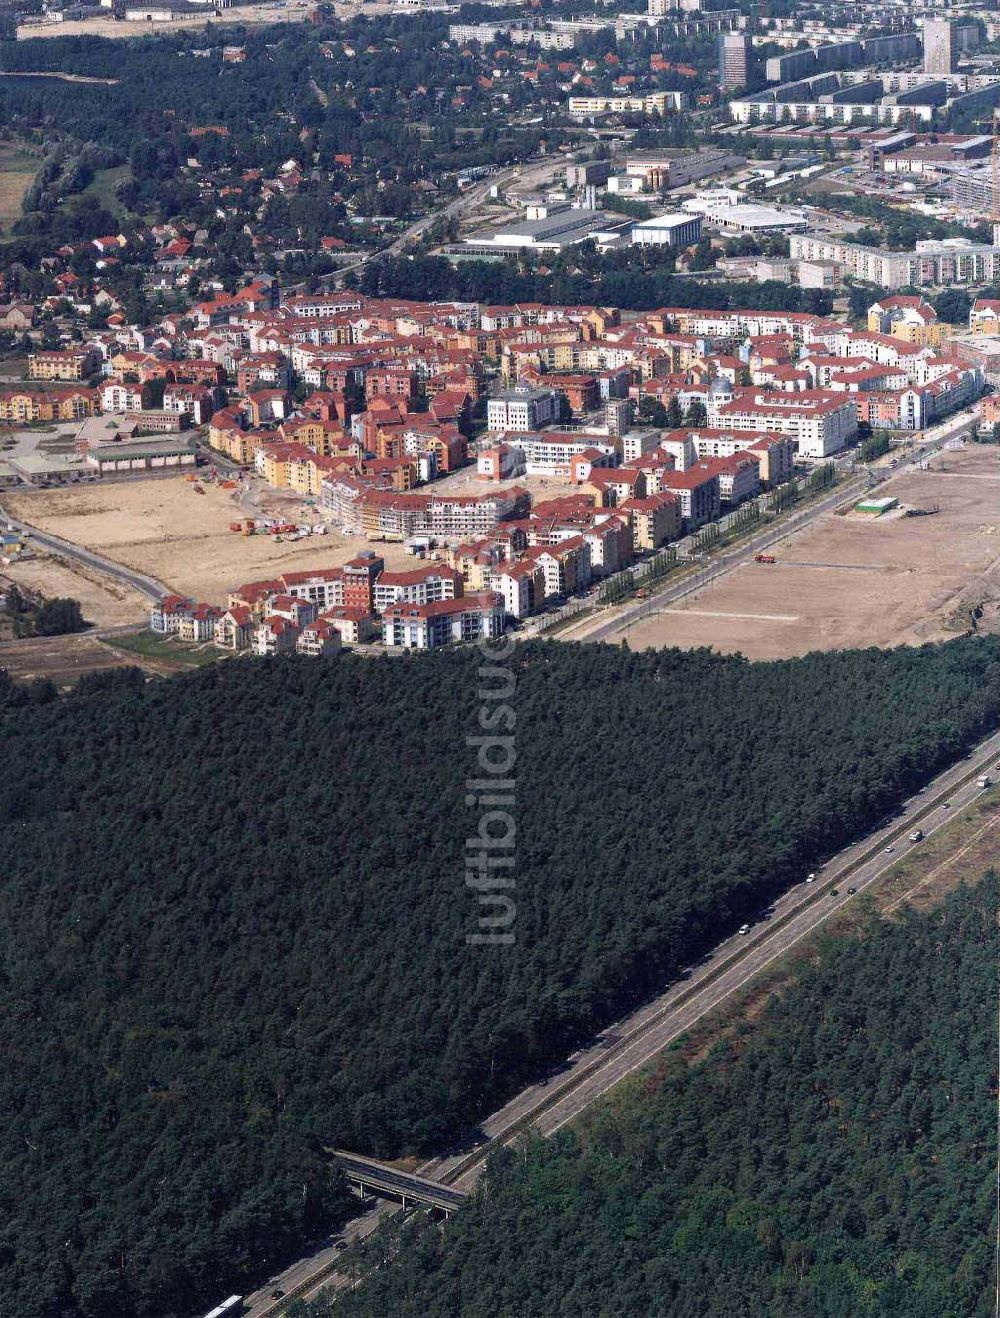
(148, 645)
(102, 188)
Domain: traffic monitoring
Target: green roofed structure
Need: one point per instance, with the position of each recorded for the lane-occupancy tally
(875, 507)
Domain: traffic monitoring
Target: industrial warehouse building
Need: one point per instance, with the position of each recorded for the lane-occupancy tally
(676, 229)
(143, 455)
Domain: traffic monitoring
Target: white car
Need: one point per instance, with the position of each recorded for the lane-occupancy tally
(744, 929)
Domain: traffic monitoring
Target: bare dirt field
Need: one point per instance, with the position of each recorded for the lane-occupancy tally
(163, 527)
(64, 659)
(853, 581)
(466, 481)
(104, 601)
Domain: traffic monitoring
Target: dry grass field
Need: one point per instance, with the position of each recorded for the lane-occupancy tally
(853, 581)
(164, 528)
(17, 169)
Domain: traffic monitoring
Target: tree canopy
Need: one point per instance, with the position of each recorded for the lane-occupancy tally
(837, 1159)
(234, 915)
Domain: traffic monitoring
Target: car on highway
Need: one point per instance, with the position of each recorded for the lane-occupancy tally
(851, 892)
(890, 848)
(945, 805)
(278, 1294)
(834, 892)
(744, 929)
(810, 878)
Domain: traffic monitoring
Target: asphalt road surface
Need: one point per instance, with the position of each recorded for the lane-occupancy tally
(634, 1042)
(526, 175)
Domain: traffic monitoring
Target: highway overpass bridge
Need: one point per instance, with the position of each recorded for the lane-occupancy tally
(391, 1183)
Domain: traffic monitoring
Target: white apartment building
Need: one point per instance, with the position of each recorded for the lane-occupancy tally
(522, 409)
(583, 107)
(482, 33)
(424, 585)
(521, 586)
(552, 453)
(637, 443)
(776, 452)
(819, 421)
(566, 567)
(950, 261)
(119, 397)
(470, 515)
(322, 587)
(444, 622)
(763, 109)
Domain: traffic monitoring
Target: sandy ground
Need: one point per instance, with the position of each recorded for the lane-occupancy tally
(104, 601)
(466, 481)
(850, 581)
(165, 528)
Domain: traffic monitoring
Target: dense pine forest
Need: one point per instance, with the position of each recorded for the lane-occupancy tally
(837, 1162)
(234, 914)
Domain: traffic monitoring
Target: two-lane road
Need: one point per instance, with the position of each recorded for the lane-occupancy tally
(146, 585)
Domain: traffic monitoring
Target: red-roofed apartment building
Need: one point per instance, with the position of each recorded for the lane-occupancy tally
(443, 622)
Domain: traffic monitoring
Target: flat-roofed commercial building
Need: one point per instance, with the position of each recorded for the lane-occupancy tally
(677, 229)
(660, 169)
(142, 455)
(561, 229)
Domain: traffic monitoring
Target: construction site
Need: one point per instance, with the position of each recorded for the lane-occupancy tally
(925, 569)
(198, 537)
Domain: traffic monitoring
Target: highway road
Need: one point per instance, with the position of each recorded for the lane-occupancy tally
(633, 1042)
(378, 1175)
